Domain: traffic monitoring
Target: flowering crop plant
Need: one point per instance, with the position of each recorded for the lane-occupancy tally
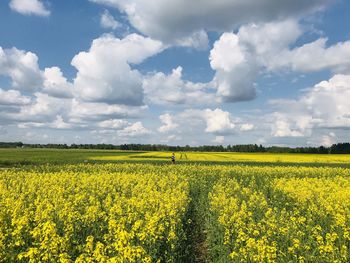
(90, 214)
(131, 212)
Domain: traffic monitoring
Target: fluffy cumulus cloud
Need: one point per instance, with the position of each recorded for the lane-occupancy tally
(113, 91)
(168, 124)
(60, 123)
(22, 68)
(13, 97)
(38, 111)
(171, 20)
(324, 106)
(107, 21)
(29, 7)
(43, 109)
(46, 91)
(104, 72)
(170, 89)
(218, 121)
(329, 102)
(296, 125)
(56, 84)
(134, 130)
(239, 58)
(235, 69)
(315, 56)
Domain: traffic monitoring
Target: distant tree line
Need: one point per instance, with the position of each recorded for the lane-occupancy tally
(335, 148)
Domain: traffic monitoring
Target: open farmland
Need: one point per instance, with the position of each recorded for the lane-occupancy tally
(231, 157)
(200, 210)
(28, 156)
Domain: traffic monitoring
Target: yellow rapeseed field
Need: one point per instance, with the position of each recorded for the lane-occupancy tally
(90, 215)
(174, 213)
(231, 157)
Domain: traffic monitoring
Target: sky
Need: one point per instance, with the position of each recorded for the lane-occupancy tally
(175, 72)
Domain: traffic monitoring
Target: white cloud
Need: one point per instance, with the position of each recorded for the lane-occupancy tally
(104, 72)
(270, 45)
(227, 54)
(59, 123)
(218, 121)
(29, 7)
(234, 69)
(265, 42)
(168, 124)
(316, 56)
(324, 106)
(23, 70)
(45, 111)
(13, 97)
(198, 40)
(115, 124)
(246, 127)
(197, 126)
(295, 125)
(268, 39)
(215, 121)
(43, 108)
(82, 112)
(172, 89)
(134, 130)
(219, 139)
(107, 21)
(40, 111)
(171, 20)
(329, 102)
(55, 84)
(22, 67)
(239, 58)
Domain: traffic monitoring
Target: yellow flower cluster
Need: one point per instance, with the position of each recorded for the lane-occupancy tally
(326, 203)
(91, 214)
(245, 220)
(281, 214)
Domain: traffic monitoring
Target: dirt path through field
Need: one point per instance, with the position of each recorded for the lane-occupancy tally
(197, 219)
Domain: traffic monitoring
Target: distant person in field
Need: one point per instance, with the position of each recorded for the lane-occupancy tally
(173, 158)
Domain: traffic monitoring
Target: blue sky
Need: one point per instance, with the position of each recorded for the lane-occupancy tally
(172, 72)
